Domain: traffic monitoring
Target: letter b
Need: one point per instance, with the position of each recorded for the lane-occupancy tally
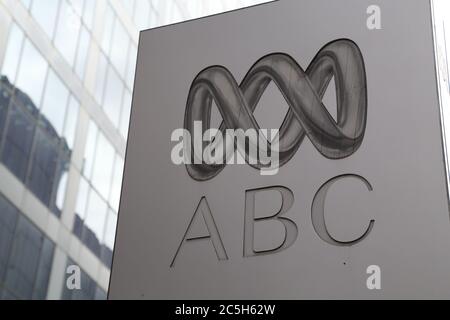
(291, 230)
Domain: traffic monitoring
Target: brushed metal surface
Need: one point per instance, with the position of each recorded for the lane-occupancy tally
(400, 158)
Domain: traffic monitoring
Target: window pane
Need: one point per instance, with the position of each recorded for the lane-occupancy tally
(116, 183)
(102, 67)
(100, 294)
(142, 14)
(45, 13)
(89, 151)
(43, 272)
(26, 3)
(24, 259)
(81, 207)
(19, 137)
(132, 57)
(43, 169)
(67, 32)
(82, 198)
(12, 55)
(95, 222)
(60, 185)
(71, 121)
(89, 13)
(125, 116)
(119, 50)
(83, 48)
(78, 6)
(8, 219)
(103, 167)
(55, 102)
(5, 99)
(32, 73)
(108, 29)
(113, 96)
(129, 6)
(154, 19)
(110, 233)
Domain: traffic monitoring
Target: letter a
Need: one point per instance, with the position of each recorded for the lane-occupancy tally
(213, 232)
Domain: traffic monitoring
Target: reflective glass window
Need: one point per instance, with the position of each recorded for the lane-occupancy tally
(26, 3)
(8, 220)
(82, 54)
(60, 184)
(81, 206)
(110, 233)
(78, 6)
(89, 13)
(45, 14)
(142, 14)
(132, 57)
(116, 183)
(43, 270)
(24, 260)
(119, 47)
(55, 100)
(113, 96)
(94, 222)
(18, 140)
(70, 125)
(103, 167)
(5, 99)
(126, 112)
(67, 32)
(43, 168)
(89, 150)
(32, 72)
(108, 29)
(12, 54)
(102, 68)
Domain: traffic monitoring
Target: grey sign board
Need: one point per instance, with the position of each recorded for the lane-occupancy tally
(361, 190)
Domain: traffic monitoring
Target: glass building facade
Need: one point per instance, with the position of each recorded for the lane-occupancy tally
(66, 79)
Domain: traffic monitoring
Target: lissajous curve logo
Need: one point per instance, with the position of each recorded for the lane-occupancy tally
(302, 90)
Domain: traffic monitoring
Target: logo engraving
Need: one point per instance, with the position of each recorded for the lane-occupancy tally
(318, 213)
(307, 116)
(303, 91)
(291, 230)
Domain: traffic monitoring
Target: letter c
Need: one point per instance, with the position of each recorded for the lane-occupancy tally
(318, 212)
